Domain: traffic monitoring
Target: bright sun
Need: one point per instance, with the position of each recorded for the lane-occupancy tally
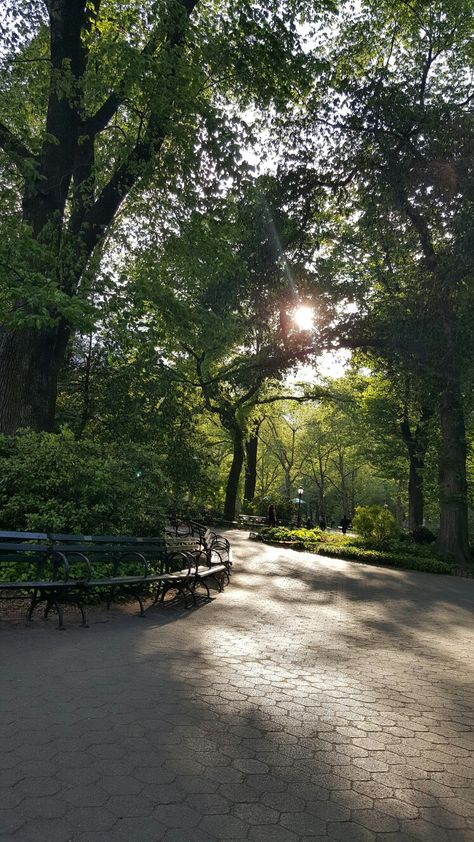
(304, 317)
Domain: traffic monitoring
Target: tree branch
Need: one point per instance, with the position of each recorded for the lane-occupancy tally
(99, 216)
(16, 150)
(98, 121)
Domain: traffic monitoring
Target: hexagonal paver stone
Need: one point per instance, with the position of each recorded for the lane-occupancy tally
(272, 833)
(183, 835)
(38, 787)
(350, 832)
(10, 797)
(10, 821)
(251, 767)
(303, 824)
(44, 807)
(139, 829)
(328, 811)
(154, 775)
(376, 821)
(284, 802)
(224, 827)
(124, 806)
(208, 805)
(91, 818)
(85, 796)
(176, 815)
(46, 830)
(425, 831)
(239, 793)
(121, 785)
(256, 813)
(163, 793)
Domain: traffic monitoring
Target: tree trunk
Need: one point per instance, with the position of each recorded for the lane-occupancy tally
(251, 450)
(321, 504)
(232, 487)
(415, 489)
(453, 538)
(29, 366)
(416, 442)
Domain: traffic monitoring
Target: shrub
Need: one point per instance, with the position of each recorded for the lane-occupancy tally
(422, 535)
(282, 533)
(57, 483)
(391, 554)
(285, 509)
(427, 564)
(375, 523)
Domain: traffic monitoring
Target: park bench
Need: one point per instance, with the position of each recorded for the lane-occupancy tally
(28, 571)
(210, 553)
(63, 568)
(252, 520)
(198, 539)
(122, 564)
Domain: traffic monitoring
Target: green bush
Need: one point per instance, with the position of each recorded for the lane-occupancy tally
(375, 523)
(422, 535)
(389, 553)
(282, 533)
(57, 483)
(390, 559)
(285, 509)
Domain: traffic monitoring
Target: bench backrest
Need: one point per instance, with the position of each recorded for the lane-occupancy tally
(100, 556)
(26, 560)
(23, 536)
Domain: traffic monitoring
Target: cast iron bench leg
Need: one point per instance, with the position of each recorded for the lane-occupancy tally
(51, 602)
(34, 602)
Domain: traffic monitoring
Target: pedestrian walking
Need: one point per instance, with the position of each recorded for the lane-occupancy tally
(344, 524)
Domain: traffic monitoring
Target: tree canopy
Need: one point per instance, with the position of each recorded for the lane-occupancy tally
(178, 179)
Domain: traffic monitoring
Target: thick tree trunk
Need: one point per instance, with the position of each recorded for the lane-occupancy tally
(415, 490)
(29, 365)
(251, 450)
(453, 538)
(416, 442)
(232, 488)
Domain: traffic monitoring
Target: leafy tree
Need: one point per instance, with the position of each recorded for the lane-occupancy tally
(393, 185)
(398, 411)
(99, 103)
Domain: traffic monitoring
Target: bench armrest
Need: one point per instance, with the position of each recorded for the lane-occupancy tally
(64, 558)
(132, 555)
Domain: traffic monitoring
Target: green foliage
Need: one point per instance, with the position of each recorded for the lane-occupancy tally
(281, 533)
(427, 564)
(375, 523)
(423, 535)
(285, 509)
(57, 483)
(395, 554)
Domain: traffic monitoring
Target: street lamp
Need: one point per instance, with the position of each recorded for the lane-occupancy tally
(300, 494)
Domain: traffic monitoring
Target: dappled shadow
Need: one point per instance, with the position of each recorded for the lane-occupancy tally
(404, 606)
(312, 698)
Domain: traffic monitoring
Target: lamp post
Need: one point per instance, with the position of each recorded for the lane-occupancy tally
(300, 494)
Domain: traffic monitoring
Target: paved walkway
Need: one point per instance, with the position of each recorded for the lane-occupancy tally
(314, 699)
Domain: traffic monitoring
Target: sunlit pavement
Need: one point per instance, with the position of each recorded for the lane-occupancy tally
(314, 699)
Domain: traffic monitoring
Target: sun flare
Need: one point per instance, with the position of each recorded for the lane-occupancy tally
(304, 317)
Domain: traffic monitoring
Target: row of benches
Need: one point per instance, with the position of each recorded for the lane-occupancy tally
(58, 568)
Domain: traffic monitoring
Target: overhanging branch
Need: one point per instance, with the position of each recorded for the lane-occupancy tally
(16, 150)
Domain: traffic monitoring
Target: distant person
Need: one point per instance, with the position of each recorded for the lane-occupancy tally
(271, 516)
(309, 524)
(322, 523)
(345, 523)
